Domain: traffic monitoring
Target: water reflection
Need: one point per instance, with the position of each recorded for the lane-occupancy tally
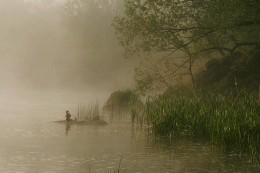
(67, 128)
(44, 147)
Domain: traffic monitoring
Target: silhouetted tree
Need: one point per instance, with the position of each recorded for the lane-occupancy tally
(187, 29)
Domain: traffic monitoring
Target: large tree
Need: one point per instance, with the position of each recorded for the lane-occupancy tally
(186, 30)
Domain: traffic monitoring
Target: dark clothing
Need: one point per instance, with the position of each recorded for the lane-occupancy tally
(68, 116)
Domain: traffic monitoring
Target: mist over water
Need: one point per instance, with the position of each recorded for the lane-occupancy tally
(29, 142)
(57, 54)
(50, 61)
(45, 46)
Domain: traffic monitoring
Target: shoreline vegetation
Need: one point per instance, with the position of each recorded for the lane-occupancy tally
(87, 112)
(229, 121)
(226, 121)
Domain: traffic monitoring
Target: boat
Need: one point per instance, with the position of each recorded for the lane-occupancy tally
(96, 122)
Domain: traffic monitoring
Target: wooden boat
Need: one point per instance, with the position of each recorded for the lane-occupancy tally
(96, 122)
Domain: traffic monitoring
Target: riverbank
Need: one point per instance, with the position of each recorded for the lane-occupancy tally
(232, 123)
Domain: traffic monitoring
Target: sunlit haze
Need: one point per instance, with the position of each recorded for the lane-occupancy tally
(41, 48)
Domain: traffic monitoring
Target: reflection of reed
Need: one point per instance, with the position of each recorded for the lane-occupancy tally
(119, 169)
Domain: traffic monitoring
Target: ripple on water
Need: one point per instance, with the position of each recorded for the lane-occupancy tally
(46, 147)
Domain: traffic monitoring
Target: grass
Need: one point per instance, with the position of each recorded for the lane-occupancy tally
(225, 121)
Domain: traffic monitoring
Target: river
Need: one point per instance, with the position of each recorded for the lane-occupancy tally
(31, 143)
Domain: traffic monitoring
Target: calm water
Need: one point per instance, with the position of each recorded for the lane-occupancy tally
(30, 143)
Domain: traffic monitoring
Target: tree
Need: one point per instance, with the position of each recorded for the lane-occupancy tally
(189, 29)
(234, 73)
(120, 101)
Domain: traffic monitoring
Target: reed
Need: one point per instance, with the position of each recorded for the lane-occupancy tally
(214, 117)
(90, 111)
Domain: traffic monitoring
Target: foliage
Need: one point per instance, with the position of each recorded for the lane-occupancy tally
(124, 100)
(187, 29)
(156, 74)
(234, 124)
(234, 72)
(170, 25)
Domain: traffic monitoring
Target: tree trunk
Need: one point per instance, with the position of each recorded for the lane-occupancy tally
(259, 93)
(191, 74)
(190, 56)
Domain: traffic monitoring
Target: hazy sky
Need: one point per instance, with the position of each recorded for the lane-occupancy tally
(42, 48)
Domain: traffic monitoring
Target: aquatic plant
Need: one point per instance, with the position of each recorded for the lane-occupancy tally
(90, 111)
(226, 121)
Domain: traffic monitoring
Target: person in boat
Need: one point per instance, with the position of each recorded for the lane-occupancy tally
(68, 116)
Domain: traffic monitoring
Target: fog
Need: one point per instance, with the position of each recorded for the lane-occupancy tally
(59, 46)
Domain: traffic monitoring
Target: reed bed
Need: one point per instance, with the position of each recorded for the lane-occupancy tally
(90, 111)
(230, 122)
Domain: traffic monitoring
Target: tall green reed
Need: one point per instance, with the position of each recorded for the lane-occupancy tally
(214, 117)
